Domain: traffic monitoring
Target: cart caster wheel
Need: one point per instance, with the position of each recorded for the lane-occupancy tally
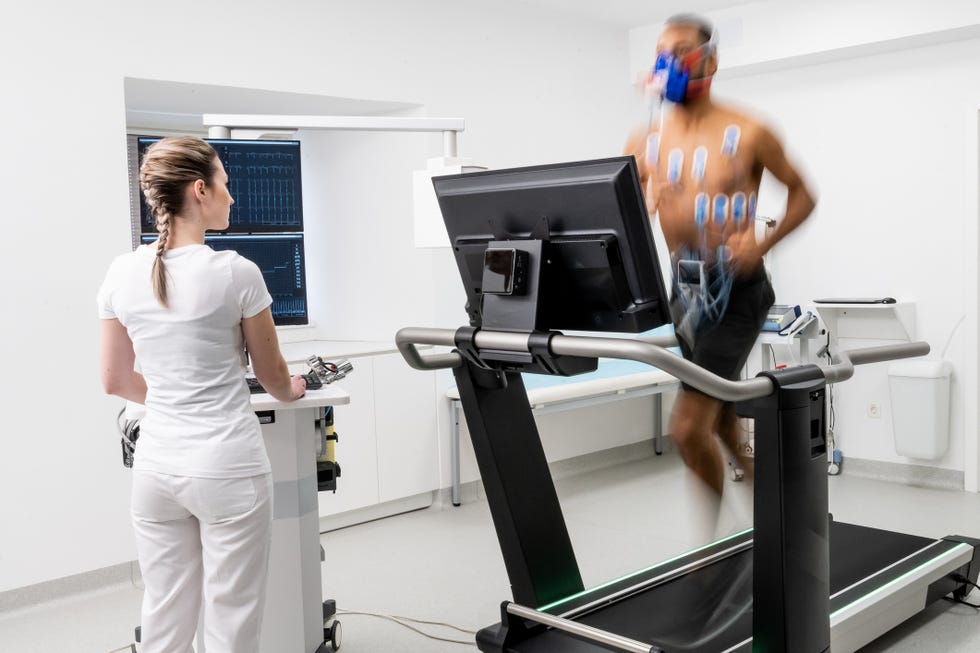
(333, 635)
(833, 469)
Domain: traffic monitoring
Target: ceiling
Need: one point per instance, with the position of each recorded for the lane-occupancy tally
(632, 13)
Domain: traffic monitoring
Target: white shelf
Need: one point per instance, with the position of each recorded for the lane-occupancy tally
(869, 321)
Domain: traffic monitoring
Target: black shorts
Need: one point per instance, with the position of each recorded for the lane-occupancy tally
(723, 347)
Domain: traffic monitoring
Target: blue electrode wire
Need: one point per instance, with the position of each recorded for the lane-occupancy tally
(706, 301)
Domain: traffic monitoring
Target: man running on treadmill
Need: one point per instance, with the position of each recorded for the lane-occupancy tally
(700, 165)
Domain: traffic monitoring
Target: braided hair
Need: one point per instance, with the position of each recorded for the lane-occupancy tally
(168, 166)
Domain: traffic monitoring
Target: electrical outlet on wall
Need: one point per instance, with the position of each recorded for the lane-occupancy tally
(874, 410)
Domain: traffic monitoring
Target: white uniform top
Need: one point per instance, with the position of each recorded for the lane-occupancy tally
(199, 420)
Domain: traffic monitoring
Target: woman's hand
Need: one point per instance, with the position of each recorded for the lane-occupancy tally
(297, 386)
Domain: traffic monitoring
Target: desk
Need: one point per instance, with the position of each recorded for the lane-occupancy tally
(293, 618)
(615, 380)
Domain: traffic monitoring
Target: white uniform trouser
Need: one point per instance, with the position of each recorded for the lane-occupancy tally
(197, 535)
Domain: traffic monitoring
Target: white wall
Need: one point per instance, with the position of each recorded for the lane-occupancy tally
(533, 87)
(877, 102)
(892, 215)
(366, 278)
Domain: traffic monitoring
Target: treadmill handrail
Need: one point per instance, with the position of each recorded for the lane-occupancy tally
(841, 369)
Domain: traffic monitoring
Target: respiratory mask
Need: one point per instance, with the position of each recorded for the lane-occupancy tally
(671, 75)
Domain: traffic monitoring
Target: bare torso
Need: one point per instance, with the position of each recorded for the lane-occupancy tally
(704, 168)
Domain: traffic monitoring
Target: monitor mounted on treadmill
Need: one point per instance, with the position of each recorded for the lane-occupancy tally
(560, 246)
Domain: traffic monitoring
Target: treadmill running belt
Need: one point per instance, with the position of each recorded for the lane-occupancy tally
(710, 610)
(856, 552)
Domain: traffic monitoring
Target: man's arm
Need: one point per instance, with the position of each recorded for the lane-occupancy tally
(636, 146)
(799, 200)
(117, 360)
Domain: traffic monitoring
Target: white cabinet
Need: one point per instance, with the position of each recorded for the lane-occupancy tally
(405, 423)
(357, 449)
(388, 442)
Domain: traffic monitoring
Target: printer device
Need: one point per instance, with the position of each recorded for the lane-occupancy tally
(780, 316)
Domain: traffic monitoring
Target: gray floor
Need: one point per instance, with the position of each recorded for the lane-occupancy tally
(443, 564)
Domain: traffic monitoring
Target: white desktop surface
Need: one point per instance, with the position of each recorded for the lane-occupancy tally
(328, 395)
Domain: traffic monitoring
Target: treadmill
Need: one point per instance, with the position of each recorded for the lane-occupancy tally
(569, 246)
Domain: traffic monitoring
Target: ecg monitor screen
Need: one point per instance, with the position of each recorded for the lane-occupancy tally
(264, 178)
(280, 258)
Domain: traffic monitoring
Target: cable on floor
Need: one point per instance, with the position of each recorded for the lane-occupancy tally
(960, 578)
(401, 621)
(407, 621)
(951, 599)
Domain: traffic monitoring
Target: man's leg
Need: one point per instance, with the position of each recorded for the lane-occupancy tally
(728, 432)
(724, 348)
(692, 428)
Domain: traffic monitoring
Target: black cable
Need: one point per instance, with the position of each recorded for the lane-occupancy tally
(960, 578)
(833, 414)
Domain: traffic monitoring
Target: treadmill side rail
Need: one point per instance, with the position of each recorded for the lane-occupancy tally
(878, 611)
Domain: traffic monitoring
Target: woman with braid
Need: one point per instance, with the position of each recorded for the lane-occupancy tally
(202, 488)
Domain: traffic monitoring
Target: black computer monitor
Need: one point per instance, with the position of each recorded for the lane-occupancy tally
(597, 268)
(280, 259)
(264, 177)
